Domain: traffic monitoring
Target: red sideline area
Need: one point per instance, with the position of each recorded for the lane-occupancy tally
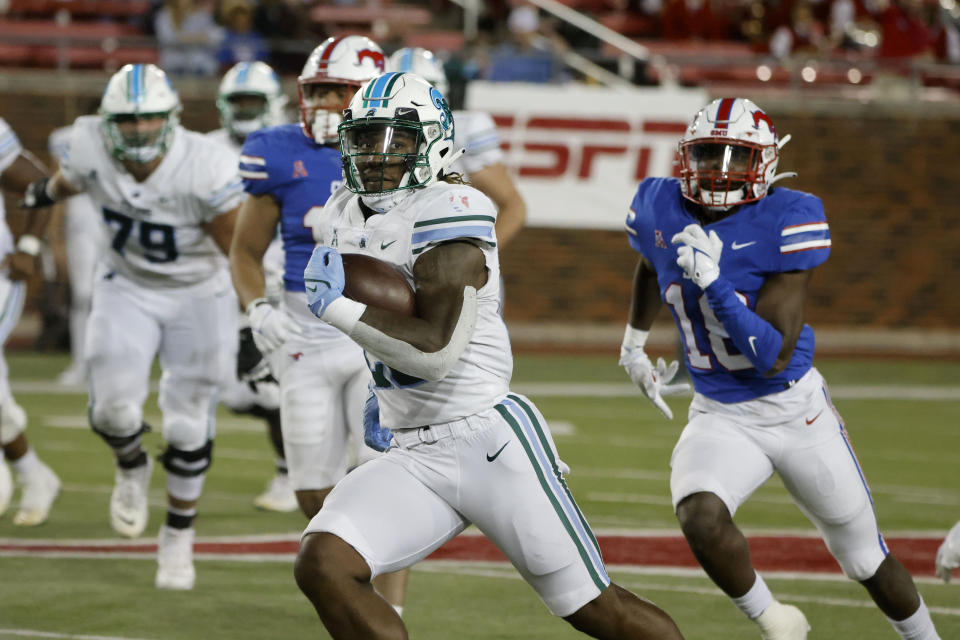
(777, 553)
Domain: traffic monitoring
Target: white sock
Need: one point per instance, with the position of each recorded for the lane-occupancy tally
(398, 609)
(918, 626)
(26, 464)
(755, 601)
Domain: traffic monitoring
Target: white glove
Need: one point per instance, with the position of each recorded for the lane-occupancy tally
(699, 257)
(948, 555)
(653, 381)
(271, 326)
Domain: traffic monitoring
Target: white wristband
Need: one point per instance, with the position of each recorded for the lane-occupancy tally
(634, 338)
(344, 313)
(29, 245)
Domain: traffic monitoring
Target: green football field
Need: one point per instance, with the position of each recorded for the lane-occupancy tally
(902, 418)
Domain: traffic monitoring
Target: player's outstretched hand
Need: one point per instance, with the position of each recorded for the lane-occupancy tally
(699, 255)
(271, 326)
(36, 196)
(948, 555)
(324, 279)
(654, 381)
(374, 435)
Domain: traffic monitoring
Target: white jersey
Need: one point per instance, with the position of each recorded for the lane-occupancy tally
(475, 133)
(428, 217)
(9, 151)
(158, 240)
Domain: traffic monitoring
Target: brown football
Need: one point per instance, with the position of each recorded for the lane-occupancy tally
(378, 284)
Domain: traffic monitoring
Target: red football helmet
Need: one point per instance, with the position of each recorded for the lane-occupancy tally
(729, 154)
(347, 61)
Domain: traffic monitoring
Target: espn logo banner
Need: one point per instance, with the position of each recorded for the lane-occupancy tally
(577, 152)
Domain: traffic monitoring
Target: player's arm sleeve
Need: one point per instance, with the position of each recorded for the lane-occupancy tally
(255, 165)
(457, 214)
(638, 225)
(75, 154)
(481, 144)
(224, 190)
(804, 243)
(804, 236)
(10, 147)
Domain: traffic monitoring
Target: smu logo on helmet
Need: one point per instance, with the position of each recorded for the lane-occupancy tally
(446, 118)
(379, 60)
(760, 116)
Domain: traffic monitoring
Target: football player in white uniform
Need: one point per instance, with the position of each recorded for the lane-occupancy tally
(464, 448)
(289, 172)
(39, 483)
(168, 198)
(84, 242)
(251, 98)
(482, 161)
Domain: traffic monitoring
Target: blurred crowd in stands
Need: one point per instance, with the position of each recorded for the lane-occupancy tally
(518, 42)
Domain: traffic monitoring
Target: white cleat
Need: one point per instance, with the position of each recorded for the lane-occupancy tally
(175, 559)
(279, 495)
(6, 485)
(782, 622)
(128, 502)
(40, 489)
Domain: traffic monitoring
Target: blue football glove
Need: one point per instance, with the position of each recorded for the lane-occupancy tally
(374, 435)
(323, 278)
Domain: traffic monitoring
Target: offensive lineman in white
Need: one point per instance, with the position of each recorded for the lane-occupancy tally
(40, 485)
(169, 199)
(482, 161)
(465, 449)
(251, 98)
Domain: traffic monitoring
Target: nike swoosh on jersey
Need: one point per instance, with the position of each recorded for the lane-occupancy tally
(752, 340)
(384, 245)
(814, 419)
(313, 288)
(736, 246)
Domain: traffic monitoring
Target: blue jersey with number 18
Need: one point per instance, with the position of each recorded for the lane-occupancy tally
(785, 231)
(300, 175)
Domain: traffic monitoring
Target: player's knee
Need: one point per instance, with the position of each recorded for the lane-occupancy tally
(703, 516)
(118, 423)
(187, 463)
(323, 562)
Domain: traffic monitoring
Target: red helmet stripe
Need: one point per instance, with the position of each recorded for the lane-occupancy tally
(325, 57)
(723, 112)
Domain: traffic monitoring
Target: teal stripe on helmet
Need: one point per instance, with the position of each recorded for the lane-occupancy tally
(379, 90)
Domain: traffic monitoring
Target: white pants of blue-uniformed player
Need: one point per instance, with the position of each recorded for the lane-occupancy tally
(498, 470)
(731, 449)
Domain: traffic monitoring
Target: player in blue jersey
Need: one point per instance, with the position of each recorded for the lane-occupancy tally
(289, 172)
(732, 259)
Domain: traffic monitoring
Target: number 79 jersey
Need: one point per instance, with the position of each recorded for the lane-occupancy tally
(154, 227)
(785, 231)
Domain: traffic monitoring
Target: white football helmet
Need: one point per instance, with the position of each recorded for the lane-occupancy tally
(139, 91)
(729, 154)
(256, 79)
(347, 60)
(396, 119)
(421, 62)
